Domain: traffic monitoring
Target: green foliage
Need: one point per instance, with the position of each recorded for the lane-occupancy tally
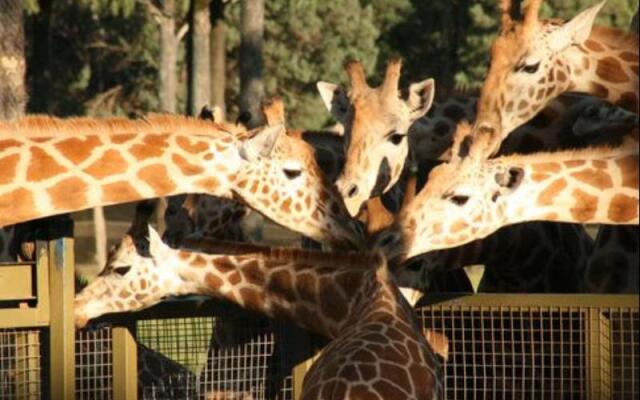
(92, 61)
(101, 56)
(306, 41)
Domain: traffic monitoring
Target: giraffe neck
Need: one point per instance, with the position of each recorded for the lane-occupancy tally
(323, 292)
(582, 188)
(606, 66)
(43, 176)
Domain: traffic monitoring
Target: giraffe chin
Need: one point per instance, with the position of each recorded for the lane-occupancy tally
(80, 321)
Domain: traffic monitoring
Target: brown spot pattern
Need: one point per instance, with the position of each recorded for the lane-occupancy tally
(153, 145)
(599, 90)
(42, 166)
(78, 149)
(594, 177)
(111, 163)
(629, 56)
(185, 166)
(7, 144)
(623, 208)
(122, 138)
(156, 176)
(119, 192)
(21, 204)
(69, 194)
(547, 196)
(629, 171)
(593, 45)
(574, 163)
(585, 206)
(459, 226)
(193, 148)
(209, 184)
(8, 168)
(610, 69)
(213, 281)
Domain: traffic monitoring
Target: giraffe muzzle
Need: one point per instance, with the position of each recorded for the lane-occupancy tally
(383, 179)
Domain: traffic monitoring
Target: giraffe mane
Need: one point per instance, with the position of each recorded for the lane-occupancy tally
(588, 153)
(357, 260)
(45, 126)
(616, 38)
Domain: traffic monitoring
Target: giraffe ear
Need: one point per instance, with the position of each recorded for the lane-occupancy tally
(335, 99)
(421, 98)
(261, 144)
(575, 31)
(156, 245)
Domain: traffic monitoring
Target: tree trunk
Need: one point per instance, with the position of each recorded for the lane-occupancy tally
(200, 31)
(13, 93)
(168, 58)
(39, 72)
(251, 31)
(218, 54)
(634, 23)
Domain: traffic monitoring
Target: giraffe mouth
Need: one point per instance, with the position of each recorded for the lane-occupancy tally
(383, 179)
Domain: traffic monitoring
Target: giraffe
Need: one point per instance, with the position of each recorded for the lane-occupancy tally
(533, 61)
(377, 350)
(387, 131)
(431, 135)
(71, 165)
(368, 141)
(471, 199)
(547, 58)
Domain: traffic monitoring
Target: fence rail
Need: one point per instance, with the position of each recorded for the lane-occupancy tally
(501, 346)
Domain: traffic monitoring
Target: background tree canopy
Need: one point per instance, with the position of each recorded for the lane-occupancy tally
(101, 56)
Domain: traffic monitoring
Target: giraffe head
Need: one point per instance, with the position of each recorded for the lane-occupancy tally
(283, 180)
(137, 275)
(528, 68)
(463, 199)
(194, 214)
(377, 122)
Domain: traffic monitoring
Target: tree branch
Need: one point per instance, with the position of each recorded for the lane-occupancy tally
(181, 32)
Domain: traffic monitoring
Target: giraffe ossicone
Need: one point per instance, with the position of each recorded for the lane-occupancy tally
(377, 122)
(348, 297)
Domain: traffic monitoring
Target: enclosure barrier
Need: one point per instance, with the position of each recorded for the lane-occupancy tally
(500, 346)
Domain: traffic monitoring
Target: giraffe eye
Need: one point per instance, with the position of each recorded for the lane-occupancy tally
(529, 68)
(292, 173)
(396, 138)
(459, 200)
(122, 270)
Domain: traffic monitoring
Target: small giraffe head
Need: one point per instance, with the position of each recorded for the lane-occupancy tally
(137, 275)
(201, 215)
(282, 179)
(528, 68)
(377, 122)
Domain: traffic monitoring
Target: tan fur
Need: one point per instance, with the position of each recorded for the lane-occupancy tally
(46, 126)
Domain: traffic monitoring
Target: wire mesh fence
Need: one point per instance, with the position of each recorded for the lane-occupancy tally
(21, 374)
(94, 364)
(530, 349)
(537, 352)
(212, 358)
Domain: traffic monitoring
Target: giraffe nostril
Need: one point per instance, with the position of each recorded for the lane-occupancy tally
(487, 129)
(353, 190)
